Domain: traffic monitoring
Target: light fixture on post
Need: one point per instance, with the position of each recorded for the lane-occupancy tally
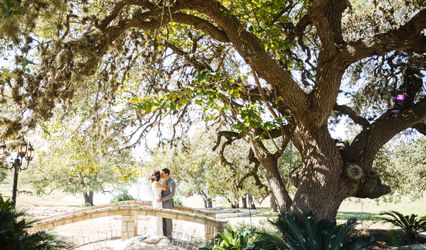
(22, 148)
(30, 153)
(24, 151)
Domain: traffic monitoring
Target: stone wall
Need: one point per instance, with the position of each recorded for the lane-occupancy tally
(129, 211)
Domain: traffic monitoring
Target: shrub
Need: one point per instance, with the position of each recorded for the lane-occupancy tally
(124, 196)
(305, 233)
(242, 238)
(13, 234)
(177, 201)
(388, 238)
(411, 225)
(302, 233)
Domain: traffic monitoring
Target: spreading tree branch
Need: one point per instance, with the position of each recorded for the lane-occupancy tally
(408, 37)
(117, 9)
(191, 59)
(366, 144)
(253, 52)
(421, 127)
(343, 109)
(327, 17)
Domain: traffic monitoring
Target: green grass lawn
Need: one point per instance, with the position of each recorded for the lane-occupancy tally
(359, 216)
(367, 209)
(365, 216)
(368, 206)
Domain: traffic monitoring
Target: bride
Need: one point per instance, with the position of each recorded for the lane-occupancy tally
(157, 186)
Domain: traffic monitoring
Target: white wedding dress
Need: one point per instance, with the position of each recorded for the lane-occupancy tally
(157, 223)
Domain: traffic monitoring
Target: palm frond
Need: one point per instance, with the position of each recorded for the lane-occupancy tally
(342, 234)
(411, 225)
(304, 232)
(13, 231)
(267, 240)
(312, 233)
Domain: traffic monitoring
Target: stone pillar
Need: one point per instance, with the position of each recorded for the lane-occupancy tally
(129, 226)
(209, 231)
(220, 227)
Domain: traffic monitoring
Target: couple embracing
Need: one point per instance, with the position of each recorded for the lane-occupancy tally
(163, 190)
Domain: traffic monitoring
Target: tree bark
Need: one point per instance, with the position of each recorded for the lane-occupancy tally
(208, 203)
(244, 201)
(250, 202)
(270, 163)
(277, 186)
(88, 198)
(273, 203)
(321, 181)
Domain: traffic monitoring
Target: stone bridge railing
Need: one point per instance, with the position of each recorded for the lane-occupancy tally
(129, 212)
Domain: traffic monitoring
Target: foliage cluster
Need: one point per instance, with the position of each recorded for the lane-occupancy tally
(177, 201)
(402, 166)
(124, 196)
(304, 232)
(79, 156)
(14, 235)
(295, 233)
(240, 238)
(411, 225)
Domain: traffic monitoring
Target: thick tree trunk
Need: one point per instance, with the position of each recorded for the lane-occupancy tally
(208, 203)
(88, 198)
(321, 181)
(244, 201)
(233, 203)
(250, 202)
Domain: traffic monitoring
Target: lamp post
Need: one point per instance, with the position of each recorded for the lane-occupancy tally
(24, 151)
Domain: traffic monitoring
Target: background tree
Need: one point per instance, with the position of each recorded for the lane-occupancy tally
(199, 170)
(411, 157)
(80, 167)
(78, 152)
(263, 70)
(403, 167)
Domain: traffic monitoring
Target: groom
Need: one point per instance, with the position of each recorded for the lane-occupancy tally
(167, 199)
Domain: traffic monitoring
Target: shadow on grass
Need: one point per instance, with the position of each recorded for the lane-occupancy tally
(360, 216)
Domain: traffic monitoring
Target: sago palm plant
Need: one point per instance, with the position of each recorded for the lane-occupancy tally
(305, 233)
(14, 235)
(412, 225)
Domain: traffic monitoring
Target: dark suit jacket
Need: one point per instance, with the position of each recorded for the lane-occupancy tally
(168, 194)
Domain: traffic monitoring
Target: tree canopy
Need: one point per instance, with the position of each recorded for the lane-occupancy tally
(276, 71)
(79, 157)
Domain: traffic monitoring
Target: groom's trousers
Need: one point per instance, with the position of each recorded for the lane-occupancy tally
(167, 223)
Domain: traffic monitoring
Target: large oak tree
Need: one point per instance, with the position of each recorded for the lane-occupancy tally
(269, 69)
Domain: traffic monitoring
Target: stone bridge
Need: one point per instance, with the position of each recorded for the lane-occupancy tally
(129, 212)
